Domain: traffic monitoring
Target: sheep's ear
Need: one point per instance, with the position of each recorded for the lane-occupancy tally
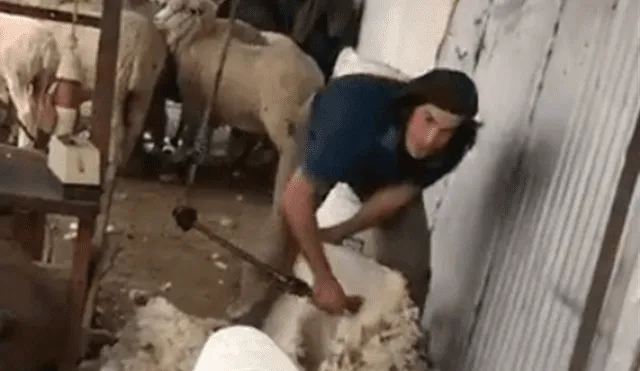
(7, 323)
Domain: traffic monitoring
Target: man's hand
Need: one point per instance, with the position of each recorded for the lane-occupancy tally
(333, 235)
(329, 296)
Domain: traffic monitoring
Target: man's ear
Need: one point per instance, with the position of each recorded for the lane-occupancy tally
(7, 323)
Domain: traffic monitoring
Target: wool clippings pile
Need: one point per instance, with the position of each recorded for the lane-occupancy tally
(384, 335)
(389, 344)
(160, 337)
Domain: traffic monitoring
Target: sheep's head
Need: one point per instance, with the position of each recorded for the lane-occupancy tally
(181, 20)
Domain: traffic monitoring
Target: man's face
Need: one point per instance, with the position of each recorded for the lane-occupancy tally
(429, 130)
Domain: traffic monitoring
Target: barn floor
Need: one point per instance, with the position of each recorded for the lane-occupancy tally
(158, 258)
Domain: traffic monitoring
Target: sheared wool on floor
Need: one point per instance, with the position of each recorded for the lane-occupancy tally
(383, 336)
(159, 337)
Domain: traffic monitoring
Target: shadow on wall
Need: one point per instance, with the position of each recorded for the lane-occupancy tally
(501, 199)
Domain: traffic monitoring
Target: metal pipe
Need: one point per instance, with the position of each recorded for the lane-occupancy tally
(82, 275)
(187, 219)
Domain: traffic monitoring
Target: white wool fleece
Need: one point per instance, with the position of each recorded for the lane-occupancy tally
(381, 336)
(160, 337)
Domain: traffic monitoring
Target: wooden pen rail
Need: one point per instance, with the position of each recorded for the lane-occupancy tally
(47, 14)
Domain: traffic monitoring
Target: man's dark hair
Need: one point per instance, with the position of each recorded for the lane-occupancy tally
(451, 91)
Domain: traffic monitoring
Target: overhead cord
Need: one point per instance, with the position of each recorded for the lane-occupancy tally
(211, 102)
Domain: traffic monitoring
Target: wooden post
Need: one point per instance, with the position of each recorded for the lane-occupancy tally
(101, 135)
(78, 284)
(105, 77)
(103, 106)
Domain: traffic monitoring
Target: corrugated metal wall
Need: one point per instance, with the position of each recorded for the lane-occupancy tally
(519, 225)
(619, 340)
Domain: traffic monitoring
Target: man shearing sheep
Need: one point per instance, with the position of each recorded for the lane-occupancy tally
(388, 140)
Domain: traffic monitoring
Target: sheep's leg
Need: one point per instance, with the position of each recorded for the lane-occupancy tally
(137, 108)
(279, 250)
(245, 143)
(177, 135)
(256, 292)
(190, 120)
(288, 138)
(25, 109)
(317, 336)
(285, 324)
(253, 287)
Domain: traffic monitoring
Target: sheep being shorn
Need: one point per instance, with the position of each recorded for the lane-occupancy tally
(263, 86)
(382, 336)
(30, 53)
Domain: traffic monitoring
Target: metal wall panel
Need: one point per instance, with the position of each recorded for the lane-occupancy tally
(519, 226)
(618, 338)
(394, 32)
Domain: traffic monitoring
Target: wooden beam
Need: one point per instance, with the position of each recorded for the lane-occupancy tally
(82, 275)
(78, 287)
(103, 92)
(47, 14)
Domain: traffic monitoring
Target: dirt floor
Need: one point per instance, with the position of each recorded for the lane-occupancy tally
(158, 258)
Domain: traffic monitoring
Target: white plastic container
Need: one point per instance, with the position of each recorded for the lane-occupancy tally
(242, 348)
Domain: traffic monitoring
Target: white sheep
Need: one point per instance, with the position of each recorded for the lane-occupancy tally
(30, 53)
(382, 336)
(263, 85)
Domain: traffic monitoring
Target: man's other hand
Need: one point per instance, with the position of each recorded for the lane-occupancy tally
(333, 235)
(329, 296)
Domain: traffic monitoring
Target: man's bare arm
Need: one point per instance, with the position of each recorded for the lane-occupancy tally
(382, 205)
(299, 209)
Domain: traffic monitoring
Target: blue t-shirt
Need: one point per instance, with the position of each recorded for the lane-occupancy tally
(355, 135)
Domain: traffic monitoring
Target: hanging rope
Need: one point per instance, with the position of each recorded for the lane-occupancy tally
(211, 101)
(74, 23)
